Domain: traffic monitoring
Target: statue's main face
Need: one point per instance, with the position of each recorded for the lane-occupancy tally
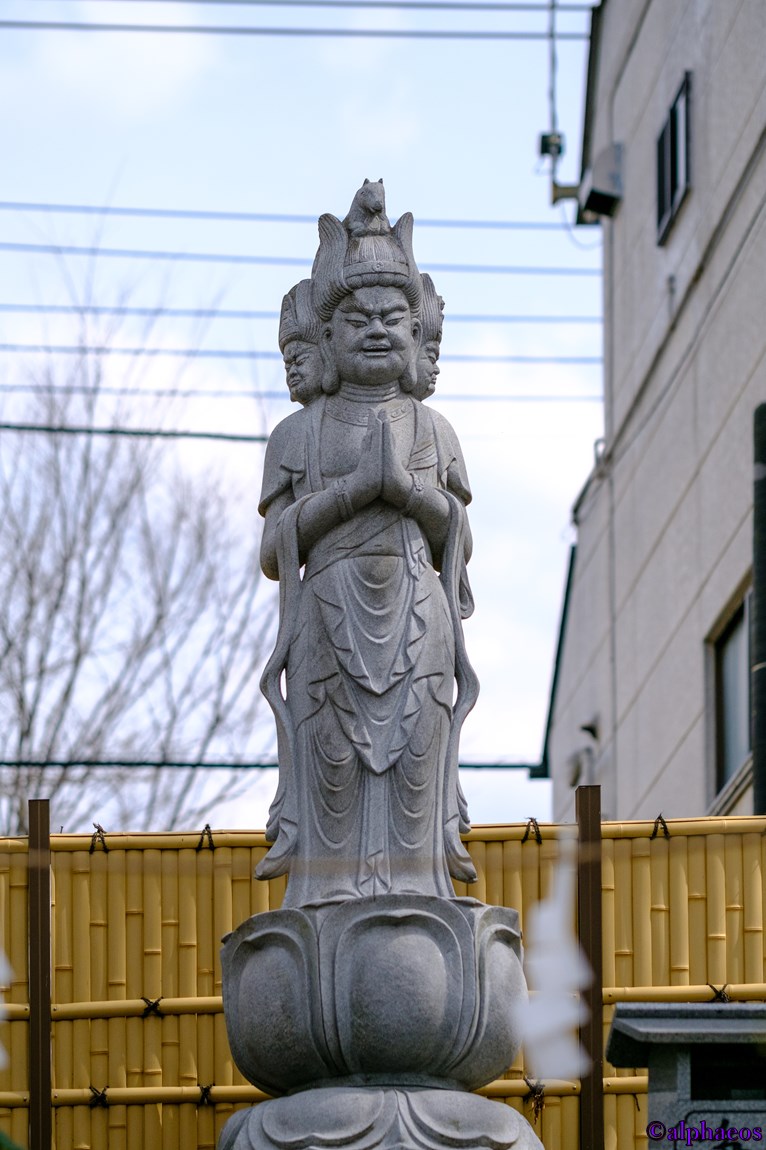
(373, 336)
(303, 368)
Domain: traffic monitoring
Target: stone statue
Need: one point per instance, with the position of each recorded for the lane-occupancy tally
(374, 1000)
(366, 490)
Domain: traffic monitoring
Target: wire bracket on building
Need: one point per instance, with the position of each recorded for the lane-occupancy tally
(659, 822)
(532, 829)
(152, 1006)
(206, 834)
(99, 836)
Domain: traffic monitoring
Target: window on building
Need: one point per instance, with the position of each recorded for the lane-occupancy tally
(732, 695)
(673, 154)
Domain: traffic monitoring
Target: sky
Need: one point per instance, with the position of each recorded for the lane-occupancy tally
(291, 125)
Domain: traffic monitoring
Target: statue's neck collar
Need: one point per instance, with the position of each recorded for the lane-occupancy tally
(371, 394)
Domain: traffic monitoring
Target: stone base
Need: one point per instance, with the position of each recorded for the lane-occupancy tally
(379, 1118)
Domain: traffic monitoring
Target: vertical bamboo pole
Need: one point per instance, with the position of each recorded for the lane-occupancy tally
(81, 989)
(187, 988)
(678, 882)
(479, 856)
(697, 869)
(735, 908)
(550, 1123)
(153, 989)
(642, 916)
(117, 981)
(170, 1027)
(623, 913)
(512, 897)
(63, 952)
(222, 917)
(40, 1115)
(18, 898)
(716, 911)
(752, 885)
(5, 987)
(570, 1123)
(99, 964)
(207, 945)
(530, 878)
(134, 988)
(659, 912)
(610, 1124)
(608, 923)
(588, 811)
(277, 888)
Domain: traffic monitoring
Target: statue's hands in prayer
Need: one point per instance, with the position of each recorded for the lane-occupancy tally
(365, 484)
(397, 481)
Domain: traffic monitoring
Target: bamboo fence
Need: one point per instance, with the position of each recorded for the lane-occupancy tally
(140, 1058)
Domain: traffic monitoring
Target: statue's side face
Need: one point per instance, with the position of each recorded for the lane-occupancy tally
(303, 368)
(373, 336)
(428, 369)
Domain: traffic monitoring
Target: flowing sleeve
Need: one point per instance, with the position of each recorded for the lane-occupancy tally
(285, 459)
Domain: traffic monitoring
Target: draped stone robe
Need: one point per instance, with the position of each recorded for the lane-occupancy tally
(362, 679)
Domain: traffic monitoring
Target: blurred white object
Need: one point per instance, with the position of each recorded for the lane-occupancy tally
(557, 972)
(5, 979)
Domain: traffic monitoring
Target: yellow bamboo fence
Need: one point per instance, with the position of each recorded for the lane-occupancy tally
(140, 1059)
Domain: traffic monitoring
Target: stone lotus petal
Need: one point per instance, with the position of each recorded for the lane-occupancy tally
(404, 989)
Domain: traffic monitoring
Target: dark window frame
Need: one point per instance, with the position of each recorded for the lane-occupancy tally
(674, 160)
(741, 616)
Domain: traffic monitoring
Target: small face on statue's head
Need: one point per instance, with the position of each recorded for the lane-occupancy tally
(372, 337)
(428, 369)
(304, 370)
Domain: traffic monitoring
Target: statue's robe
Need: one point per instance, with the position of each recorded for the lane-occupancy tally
(362, 680)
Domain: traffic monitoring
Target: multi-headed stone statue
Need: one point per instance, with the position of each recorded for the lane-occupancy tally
(375, 996)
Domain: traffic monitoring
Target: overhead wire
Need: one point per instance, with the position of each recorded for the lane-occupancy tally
(276, 261)
(231, 30)
(438, 5)
(247, 313)
(257, 217)
(237, 353)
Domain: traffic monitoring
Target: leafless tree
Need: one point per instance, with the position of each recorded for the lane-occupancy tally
(133, 623)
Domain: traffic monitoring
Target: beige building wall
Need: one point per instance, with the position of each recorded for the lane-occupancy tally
(664, 524)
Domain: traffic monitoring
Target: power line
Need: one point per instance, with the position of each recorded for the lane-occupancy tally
(238, 393)
(132, 432)
(231, 353)
(246, 313)
(259, 217)
(440, 5)
(275, 261)
(226, 30)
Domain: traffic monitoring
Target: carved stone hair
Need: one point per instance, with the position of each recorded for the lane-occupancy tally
(364, 250)
(431, 312)
(298, 319)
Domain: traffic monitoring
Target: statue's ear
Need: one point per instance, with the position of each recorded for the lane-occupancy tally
(366, 181)
(330, 377)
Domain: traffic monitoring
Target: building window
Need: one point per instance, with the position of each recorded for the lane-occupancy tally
(673, 154)
(732, 695)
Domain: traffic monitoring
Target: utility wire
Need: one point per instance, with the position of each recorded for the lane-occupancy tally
(259, 217)
(132, 432)
(439, 5)
(275, 261)
(246, 313)
(231, 393)
(230, 353)
(226, 30)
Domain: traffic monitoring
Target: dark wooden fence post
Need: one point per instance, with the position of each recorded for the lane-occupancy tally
(588, 811)
(40, 1110)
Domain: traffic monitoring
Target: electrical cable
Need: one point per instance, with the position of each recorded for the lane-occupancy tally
(440, 5)
(275, 261)
(246, 313)
(132, 432)
(237, 393)
(224, 30)
(231, 353)
(258, 217)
